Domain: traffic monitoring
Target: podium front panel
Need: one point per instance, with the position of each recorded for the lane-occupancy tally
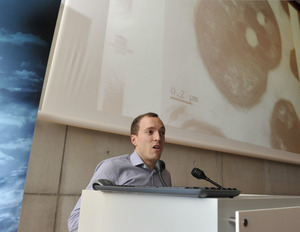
(116, 212)
(132, 212)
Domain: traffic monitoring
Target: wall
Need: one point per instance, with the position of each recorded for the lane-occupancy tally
(63, 159)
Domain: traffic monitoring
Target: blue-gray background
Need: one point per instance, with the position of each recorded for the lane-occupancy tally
(26, 30)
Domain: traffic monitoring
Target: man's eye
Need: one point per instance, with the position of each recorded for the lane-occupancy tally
(150, 132)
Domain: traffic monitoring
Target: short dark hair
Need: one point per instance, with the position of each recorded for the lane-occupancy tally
(135, 125)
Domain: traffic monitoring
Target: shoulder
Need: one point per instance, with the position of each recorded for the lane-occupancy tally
(109, 168)
(114, 161)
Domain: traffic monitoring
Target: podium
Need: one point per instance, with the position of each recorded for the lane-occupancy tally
(132, 212)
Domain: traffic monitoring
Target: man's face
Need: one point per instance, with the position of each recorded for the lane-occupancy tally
(150, 140)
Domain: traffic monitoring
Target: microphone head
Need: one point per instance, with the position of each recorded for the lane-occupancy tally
(159, 166)
(199, 174)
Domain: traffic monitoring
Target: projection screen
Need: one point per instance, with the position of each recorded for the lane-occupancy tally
(222, 75)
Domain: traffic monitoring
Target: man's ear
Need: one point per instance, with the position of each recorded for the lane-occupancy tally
(133, 139)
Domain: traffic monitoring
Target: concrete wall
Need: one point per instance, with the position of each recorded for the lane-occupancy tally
(63, 159)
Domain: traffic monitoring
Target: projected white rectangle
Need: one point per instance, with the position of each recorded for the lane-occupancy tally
(222, 75)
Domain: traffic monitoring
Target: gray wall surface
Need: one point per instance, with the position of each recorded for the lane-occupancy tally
(63, 159)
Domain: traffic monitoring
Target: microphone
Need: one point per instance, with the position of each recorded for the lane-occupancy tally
(159, 168)
(199, 174)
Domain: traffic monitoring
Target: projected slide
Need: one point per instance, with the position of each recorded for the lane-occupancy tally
(221, 74)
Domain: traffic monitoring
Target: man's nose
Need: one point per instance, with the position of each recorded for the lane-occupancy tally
(157, 136)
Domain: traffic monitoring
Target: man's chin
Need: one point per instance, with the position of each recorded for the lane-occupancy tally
(157, 156)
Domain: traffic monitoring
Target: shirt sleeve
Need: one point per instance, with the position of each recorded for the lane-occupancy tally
(105, 170)
(74, 217)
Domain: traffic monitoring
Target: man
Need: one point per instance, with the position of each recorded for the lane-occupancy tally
(148, 137)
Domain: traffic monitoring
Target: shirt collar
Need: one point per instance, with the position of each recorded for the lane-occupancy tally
(136, 160)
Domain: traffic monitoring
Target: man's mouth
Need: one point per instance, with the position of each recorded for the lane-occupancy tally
(156, 147)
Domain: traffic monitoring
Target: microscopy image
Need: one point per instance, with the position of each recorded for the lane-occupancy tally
(285, 127)
(226, 65)
(239, 43)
